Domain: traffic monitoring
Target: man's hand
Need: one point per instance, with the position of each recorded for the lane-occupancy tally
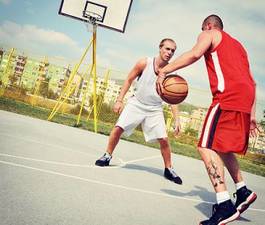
(118, 107)
(177, 127)
(159, 84)
(254, 130)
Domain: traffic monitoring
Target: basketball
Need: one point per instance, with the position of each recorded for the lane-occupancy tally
(175, 89)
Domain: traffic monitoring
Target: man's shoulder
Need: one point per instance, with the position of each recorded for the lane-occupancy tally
(212, 32)
(143, 62)
(145, 59)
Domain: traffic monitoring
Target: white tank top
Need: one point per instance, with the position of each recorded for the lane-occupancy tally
(146, 86)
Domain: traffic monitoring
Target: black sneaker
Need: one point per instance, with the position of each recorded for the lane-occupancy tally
(170, 174)
(104, 160)
(224, 213)
(244, 198)
(214, 208)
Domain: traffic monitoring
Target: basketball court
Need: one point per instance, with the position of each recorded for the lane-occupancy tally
(48, 177)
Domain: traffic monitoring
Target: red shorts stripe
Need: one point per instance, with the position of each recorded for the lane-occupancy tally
(225, 131)
(207, 127)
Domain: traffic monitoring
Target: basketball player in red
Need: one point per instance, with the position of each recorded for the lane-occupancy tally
(231, 116)
(145, 108)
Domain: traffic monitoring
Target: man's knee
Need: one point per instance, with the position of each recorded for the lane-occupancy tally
(206, 154)
(117, 131)
(163, 142)
(201, 150)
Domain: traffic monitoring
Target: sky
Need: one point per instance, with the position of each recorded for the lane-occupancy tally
(35, 28)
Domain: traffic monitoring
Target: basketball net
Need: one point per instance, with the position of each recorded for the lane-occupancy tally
(92, 20)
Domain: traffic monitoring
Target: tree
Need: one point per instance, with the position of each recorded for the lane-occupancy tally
(52, 94)
(187, 107)
(44, 87)
(262, 124)
(191, 132)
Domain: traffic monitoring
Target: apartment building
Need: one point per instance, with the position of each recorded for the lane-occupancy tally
(197, 118)
(258, 143)
(16, 78)
(110, 89)
(20, 70)
(7, 65)
(62, 80)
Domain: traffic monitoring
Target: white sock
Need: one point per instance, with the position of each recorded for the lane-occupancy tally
(240, 185)
(222, 196)
(108, 155)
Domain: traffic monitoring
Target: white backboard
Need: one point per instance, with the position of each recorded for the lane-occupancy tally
(113, 13)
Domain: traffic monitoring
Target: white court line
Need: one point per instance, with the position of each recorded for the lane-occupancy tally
(57, 147)
(44, 161)
(77, 165)
(111, 185)
(123, 163)
(58, 163)
(142, 159)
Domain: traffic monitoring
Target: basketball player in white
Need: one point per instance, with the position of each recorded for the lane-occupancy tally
(145, 108)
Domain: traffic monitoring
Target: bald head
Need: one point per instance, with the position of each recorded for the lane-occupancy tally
(214, 20)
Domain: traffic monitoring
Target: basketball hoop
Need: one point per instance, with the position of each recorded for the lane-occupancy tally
(92, 19)
(105, 13)
(109, 14)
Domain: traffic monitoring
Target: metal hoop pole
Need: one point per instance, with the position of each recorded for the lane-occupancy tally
(95, 77)
(67, 89)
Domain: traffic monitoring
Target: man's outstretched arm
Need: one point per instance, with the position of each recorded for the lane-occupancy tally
(203, 44)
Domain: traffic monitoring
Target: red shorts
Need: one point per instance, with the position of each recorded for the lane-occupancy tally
(225, 131)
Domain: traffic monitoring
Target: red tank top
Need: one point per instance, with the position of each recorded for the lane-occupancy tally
(228, 69)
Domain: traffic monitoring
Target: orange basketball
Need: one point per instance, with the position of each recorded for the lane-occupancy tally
(175, 89)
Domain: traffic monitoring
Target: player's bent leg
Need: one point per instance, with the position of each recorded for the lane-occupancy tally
(113, 141)
(224, 211)
(165, 151)
(114, 138)
(169, 172)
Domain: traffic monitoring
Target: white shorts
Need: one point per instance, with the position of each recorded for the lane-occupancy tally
(151, 119)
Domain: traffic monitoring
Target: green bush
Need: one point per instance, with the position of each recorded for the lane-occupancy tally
(256, 158)
(76, 110)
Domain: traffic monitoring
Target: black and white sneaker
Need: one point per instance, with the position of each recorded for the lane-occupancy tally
(224, 213)
(214, 208)
(244, 198)
(104, 160)
(171, 175)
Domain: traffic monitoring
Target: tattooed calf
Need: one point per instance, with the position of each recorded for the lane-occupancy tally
(213, 172)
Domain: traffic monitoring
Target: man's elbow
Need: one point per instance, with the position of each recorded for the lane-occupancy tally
(129, 81)
(196, 56)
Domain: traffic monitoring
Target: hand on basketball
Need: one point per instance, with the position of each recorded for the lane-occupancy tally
(254, 130)
(173, 88)
(159, 84)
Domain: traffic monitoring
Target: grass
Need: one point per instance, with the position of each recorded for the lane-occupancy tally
(105, 128)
